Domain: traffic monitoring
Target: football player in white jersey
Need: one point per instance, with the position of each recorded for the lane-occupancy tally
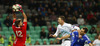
(64, 29)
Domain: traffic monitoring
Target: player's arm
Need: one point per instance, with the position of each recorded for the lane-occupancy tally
(90, 44)
(56, 34)
(24, 15)
(52, 35)
(14, 16)
(67, 36)
(64, 37)
(94, 43)
(70, 27)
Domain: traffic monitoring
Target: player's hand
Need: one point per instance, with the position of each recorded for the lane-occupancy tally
(80, 36)
(13, 10)
(51, 35)
(58, 38)
(20, 9)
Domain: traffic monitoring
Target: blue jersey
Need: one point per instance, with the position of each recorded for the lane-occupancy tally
(82, 41)
(74, 37)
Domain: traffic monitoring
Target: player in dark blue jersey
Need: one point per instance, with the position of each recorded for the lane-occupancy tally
(76, 40)
(84, 39)
(74, 37)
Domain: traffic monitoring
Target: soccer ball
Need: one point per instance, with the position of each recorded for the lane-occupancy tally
(16, 7)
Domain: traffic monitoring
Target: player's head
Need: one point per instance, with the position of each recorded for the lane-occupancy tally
(61, 19)
(18, 23)
(83, 31)
(99, 37)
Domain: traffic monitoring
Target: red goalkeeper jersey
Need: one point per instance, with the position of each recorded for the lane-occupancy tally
(20, 33)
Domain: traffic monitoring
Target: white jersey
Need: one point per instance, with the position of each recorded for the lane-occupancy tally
(64, 29)
(97, 42)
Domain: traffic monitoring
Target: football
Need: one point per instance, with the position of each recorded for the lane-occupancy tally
(16, 7)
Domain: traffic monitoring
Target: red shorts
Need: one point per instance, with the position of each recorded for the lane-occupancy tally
(18, 45)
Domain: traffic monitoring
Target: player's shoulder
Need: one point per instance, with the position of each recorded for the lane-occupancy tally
(85, 36)
(96, 40)
(59, 25)
(67, 24)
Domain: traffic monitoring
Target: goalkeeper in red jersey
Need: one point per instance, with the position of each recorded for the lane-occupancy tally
(19, 29)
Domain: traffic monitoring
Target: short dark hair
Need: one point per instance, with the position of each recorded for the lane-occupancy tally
(85, 29)
(62, 17)
(17, 22)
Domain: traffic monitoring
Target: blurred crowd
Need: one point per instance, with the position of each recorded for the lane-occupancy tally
(76, 12)
(40, 12)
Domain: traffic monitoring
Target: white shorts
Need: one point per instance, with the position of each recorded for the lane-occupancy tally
(66, 43)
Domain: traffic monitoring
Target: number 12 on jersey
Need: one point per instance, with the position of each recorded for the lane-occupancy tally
(19, 33)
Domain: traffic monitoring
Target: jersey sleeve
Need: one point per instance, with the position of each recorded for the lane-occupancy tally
(13, 23)
(70, 27)
(88, 40)
(25, 24)
(57, 32)
(14, 20)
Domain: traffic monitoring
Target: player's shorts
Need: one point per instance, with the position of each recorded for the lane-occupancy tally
(18, 45)
(66, 43)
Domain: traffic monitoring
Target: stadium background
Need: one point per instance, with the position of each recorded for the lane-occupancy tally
(42, 19)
